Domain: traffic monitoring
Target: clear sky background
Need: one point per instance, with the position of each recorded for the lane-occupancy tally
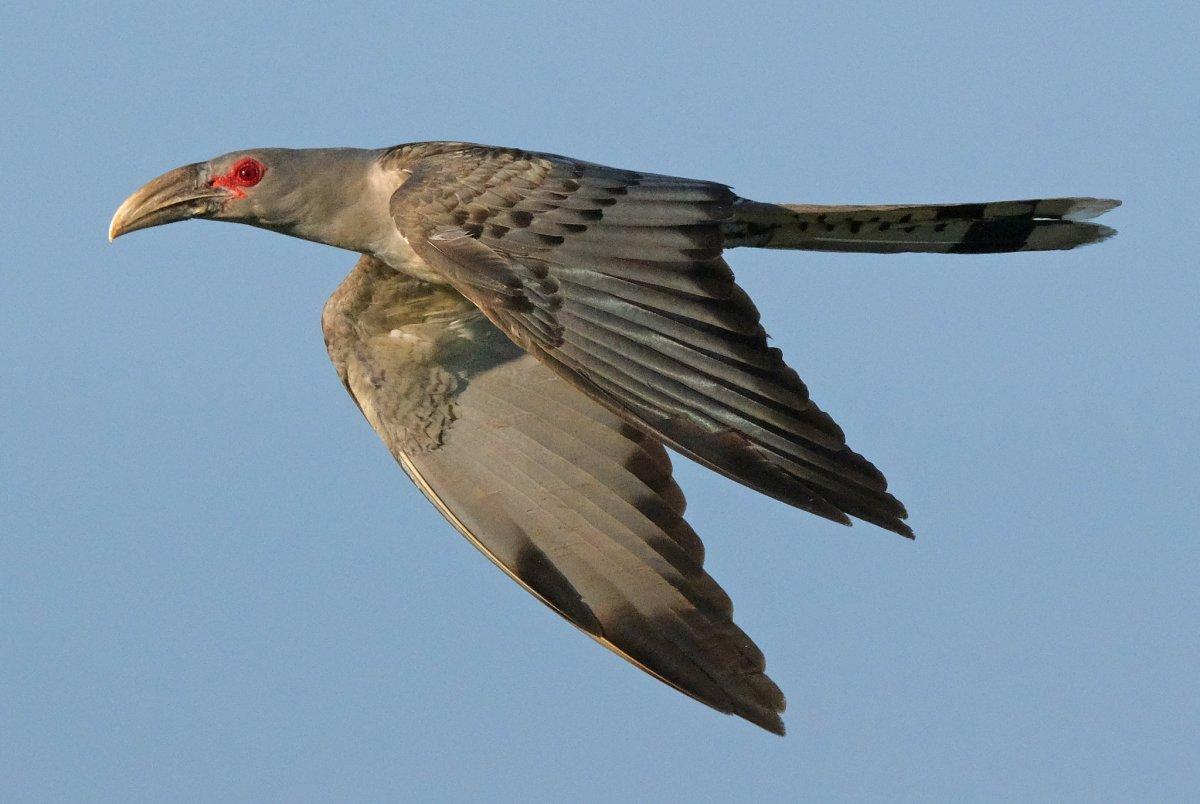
(216, 584)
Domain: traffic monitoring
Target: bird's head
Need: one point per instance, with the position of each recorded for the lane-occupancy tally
(286, 190)
(236, 186)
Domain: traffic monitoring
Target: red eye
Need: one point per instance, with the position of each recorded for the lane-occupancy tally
(248, 172)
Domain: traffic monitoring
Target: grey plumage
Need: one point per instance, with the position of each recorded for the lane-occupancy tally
(527, 331)
(569, 499)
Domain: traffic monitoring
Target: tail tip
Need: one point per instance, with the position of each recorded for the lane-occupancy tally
(1085, 209)
(1066, 234)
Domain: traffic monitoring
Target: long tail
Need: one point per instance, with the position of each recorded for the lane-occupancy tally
(1045, 224)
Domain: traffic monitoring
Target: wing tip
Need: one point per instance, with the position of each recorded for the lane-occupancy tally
(765, 717)
(895, 526)
(773, 724)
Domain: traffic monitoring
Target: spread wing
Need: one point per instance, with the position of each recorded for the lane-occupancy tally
(569, 499)
(615, 280)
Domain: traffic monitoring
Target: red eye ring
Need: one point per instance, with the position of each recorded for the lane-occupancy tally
(247, 172)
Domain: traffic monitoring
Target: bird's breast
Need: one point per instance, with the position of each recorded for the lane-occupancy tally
(394, 251)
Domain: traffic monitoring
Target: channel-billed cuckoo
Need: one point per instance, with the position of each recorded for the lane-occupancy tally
(528, 332)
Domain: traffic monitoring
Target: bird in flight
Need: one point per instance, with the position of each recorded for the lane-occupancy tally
(528, 332)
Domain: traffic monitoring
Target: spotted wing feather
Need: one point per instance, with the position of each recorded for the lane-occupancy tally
(615, 280)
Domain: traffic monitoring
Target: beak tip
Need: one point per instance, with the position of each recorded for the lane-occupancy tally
(174, 196)
(116, 225)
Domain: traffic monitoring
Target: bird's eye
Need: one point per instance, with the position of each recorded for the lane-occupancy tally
(248, 172)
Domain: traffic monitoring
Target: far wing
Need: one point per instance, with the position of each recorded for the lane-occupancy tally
(615, 280)
(571, 501)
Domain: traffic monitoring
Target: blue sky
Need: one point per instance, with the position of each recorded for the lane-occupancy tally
(215, 583)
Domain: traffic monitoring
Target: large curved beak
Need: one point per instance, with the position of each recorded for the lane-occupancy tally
(176, 195)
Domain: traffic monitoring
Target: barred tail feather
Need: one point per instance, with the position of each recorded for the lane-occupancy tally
(1047, 224)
